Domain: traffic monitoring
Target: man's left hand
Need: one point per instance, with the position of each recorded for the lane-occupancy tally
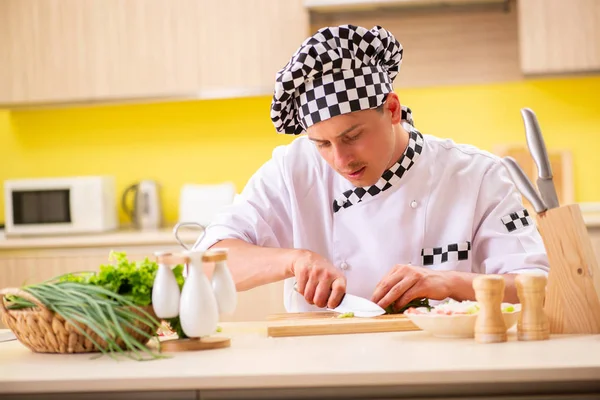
(404, 283)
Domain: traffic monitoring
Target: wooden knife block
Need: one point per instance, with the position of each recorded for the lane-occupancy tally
(572, 300)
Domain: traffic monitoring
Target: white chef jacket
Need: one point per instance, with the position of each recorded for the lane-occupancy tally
(454, 209)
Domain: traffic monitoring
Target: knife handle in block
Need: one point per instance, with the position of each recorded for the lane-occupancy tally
(533, 322)
(489, 292)
(572, 302)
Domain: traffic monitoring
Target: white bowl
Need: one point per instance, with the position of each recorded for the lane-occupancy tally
(458, 325)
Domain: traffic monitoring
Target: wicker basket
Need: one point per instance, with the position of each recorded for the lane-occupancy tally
(43, 331)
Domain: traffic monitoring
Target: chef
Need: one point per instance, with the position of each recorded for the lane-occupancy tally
(362, 202)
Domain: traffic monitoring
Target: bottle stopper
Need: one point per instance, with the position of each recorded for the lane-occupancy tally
(489, 292)
(533, 321)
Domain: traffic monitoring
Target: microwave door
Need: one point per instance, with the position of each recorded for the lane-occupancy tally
(41, 207)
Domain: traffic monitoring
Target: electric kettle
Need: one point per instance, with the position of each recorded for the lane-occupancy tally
(146, 210)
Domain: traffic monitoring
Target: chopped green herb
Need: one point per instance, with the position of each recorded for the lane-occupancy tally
(414, 303)
(130, 279)
(346, 315)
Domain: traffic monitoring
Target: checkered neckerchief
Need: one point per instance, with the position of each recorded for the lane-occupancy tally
(390, 177)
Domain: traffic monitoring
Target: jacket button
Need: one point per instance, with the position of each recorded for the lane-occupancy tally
(414, 204)
(344, 265)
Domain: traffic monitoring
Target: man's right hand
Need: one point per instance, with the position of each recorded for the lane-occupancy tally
(318, 280)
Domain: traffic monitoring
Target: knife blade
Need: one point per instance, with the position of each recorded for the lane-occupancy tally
(548, 192)
(359, 306)
(537, 148)
(523, 184)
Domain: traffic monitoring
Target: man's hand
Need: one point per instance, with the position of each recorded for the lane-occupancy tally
(405, 283)
(318, 280)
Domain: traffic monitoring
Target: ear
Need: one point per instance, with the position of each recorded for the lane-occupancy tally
(392, 103)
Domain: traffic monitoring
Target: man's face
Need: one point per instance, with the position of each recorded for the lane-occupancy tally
(358, 145)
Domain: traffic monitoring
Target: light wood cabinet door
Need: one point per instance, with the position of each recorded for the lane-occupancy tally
(244, 43)
(23, 267)
(558, 36)
(97, 50)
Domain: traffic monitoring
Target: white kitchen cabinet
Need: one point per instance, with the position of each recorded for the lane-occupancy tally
(558, 36)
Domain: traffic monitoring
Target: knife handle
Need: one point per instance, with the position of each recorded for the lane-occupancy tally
(536, 144)
(523, 184)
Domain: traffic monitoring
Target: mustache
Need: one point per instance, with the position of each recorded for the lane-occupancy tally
(353, 167)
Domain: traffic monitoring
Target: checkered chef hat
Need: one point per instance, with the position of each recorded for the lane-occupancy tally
(336, 71)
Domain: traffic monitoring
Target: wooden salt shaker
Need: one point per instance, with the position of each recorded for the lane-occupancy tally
(489, 292)
(533, 322)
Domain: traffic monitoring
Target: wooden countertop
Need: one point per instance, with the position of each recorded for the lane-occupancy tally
(164, 236)
(592, 220)
(123, 237)
(413, 361)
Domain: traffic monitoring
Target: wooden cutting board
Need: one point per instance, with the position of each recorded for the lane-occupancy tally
(327, 323)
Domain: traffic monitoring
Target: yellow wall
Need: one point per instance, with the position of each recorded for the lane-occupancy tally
(174, 143)
(214, 141)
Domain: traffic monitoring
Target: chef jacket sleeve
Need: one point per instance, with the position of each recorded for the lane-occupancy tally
(506, 239)
(260, 214)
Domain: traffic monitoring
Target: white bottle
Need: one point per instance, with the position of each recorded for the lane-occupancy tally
(198, 310)
(165, 291)
(224, 286)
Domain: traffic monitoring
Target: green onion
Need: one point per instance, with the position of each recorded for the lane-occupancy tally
(105, 313)
(108, 302)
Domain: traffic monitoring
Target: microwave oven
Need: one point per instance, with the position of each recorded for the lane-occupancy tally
(65, 205)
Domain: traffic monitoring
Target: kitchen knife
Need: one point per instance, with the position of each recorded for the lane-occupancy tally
(359, 306)
(537, 148)
(523, 184)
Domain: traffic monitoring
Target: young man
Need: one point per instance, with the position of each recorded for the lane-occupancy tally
(363, 202)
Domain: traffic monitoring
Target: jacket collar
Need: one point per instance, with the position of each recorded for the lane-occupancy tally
(391, 177)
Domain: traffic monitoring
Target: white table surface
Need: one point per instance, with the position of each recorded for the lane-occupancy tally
(255, 361)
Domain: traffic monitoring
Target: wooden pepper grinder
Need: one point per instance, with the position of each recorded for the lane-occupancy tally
(489, 292)
(533, 322)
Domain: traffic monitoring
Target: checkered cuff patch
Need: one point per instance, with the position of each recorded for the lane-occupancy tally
(517, 220)
(336, 71)
(451, 252)
(389, 178)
